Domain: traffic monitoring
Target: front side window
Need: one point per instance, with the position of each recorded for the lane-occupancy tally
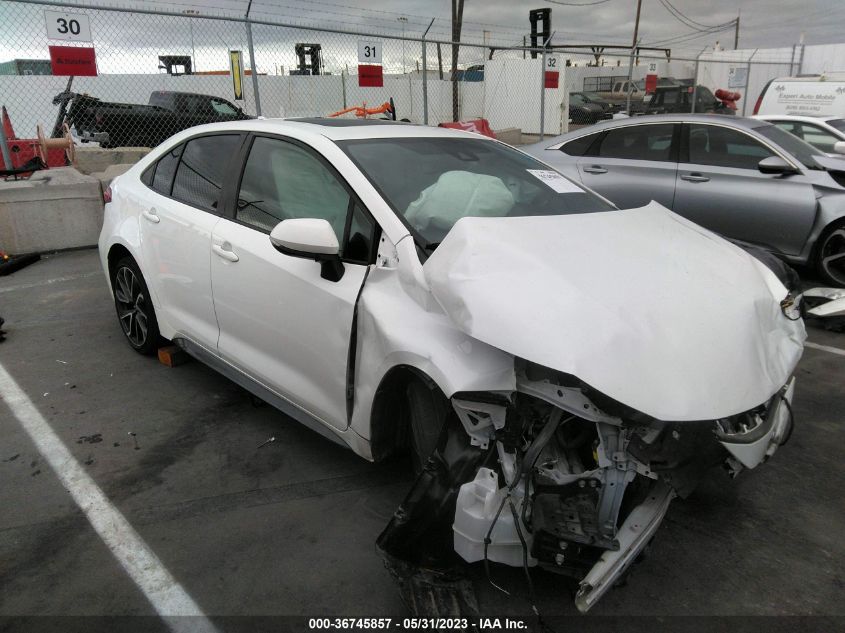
(223, 107)
(724, 147)
(639, 142)
(432, 182)
(817, 136)
(282, 180)
(199, 178)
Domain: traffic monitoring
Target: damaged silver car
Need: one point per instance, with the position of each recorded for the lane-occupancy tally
(559, 369)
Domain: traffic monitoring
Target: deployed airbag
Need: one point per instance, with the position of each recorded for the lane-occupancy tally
(457, 194)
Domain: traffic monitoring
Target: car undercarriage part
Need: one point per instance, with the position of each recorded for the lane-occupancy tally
(826, 305)
(545, 477)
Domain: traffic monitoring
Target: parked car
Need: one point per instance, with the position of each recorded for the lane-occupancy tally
(132, 125)
(532, 345)
(742, 178)
(679, 98)
(594, 98)
(817, 96)
(583, 112)
(824, 133)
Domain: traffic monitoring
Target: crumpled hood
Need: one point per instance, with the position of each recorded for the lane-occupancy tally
(643, 305)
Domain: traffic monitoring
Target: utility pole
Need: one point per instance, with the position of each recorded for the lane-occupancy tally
(252, 63)
(736, 31)
(457, 20)
(631, 58)
(403, 20)
(637, 23)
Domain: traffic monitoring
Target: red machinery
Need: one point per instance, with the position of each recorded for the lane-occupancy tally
(55, 152)
(728, 98)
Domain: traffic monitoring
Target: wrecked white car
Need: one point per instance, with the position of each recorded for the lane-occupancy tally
(558, 368)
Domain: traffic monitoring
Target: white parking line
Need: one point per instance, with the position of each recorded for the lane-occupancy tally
(47, 282)
(825, 348)
(167, 596)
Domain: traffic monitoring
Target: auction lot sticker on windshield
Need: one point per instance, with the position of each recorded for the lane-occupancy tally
(555, 181)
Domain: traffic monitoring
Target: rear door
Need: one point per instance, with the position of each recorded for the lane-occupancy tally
(720, 187)
(280, 321)
(632, 165)
(178, 212)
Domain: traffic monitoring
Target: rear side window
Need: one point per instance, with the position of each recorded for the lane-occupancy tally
(165, 168)
(639, 142)
(579, 146)
(724, 147)
(199, 178)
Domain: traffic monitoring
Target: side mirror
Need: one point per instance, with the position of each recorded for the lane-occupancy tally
(839, 147)
(776, 165)
(310, 238)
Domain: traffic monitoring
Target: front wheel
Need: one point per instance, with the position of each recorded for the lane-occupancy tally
(428, 408)
(830, 255)
(134, 308)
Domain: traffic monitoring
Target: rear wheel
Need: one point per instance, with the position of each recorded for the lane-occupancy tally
(830, 254)
(427, 408)
(134, 308)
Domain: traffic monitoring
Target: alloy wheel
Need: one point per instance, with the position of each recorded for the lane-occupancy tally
(131, 306)
(832, 257)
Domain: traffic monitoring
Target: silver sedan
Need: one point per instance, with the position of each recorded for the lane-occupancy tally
(743, 178)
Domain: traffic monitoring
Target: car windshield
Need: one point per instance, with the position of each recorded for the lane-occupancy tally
(576, 99)
(839, 124)
(802, 151)
(593, 96)
(432, 182)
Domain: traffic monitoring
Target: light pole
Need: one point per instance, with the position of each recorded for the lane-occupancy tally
(404, 21)
(191, 12)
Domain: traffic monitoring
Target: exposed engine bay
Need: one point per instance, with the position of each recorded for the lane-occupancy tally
(558, 476)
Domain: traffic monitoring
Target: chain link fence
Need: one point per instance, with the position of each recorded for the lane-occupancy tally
(160, 72)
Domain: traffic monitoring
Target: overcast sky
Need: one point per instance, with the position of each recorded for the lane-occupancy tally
(132, 42)
(764, 23)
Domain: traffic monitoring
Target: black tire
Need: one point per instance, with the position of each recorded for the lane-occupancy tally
(135, 311)
(829, 257)
(427, 411)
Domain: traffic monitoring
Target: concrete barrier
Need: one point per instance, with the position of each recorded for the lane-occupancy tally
(94, 159)
(55, 209)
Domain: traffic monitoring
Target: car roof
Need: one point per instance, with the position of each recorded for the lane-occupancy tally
(730, 121)
(795, 117)
(335, 129)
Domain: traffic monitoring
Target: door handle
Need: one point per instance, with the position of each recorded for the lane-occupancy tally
(695, 177)
(225, 251)
(595, 169)
(151, 215)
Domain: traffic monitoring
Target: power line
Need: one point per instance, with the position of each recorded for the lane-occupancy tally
(688, 21)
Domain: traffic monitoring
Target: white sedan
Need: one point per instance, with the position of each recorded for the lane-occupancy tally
(559, 369)
(824, 133)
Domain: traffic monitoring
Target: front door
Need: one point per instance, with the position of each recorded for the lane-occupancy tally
(280, 321)
(720, 187)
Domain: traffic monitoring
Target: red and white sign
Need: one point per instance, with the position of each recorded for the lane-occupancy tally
(370, 76)
(650, 83)
(73, 60)
(552, 79)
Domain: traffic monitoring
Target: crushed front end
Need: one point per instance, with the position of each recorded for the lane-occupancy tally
(556, 475)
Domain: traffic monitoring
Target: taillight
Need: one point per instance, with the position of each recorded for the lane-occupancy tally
(107, 195)
(758, 103)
